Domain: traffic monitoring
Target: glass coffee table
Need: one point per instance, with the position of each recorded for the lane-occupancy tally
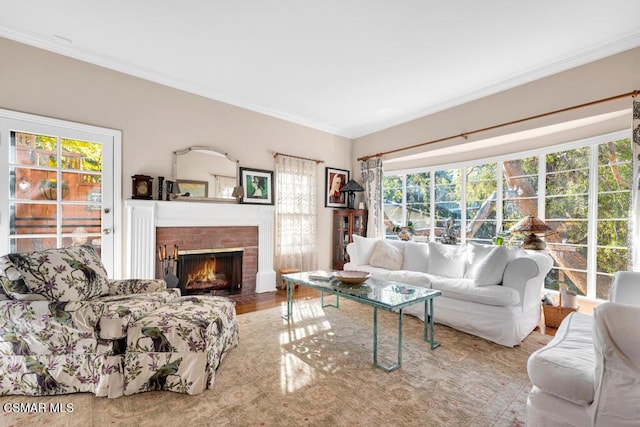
(377, 293)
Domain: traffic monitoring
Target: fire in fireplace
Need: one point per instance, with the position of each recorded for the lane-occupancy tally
(217, 271)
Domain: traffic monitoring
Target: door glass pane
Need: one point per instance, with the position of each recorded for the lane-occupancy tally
(32, 244)
(33, 218)
(55, 189)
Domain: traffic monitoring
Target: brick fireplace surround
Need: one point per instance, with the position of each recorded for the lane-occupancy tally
(192, 238)
(202, 225)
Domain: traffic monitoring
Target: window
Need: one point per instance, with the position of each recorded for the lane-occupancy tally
(615, 173)
(481, 191)
(447, 200)
(296, 217)
(581, 190)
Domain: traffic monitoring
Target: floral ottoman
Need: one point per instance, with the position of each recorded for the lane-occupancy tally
(179, 346)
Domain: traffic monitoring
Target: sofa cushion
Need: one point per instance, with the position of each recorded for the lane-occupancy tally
(566, 366)
(446, 260)
(118, 311)
(386, 255)
(490, 270)
(363, 250)
(416, 257)
(466, 290)
(75, 273)
(476, 252)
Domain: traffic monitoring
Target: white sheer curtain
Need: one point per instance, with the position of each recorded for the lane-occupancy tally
(296, 216)
(223, 185)
(372, 182)
(634, 214)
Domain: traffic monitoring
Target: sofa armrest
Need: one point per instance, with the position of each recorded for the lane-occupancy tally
(617, 331)
(526, 274)
(616, 341)
(625, 288)
(136, 286)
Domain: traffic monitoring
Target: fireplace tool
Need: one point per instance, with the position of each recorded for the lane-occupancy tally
(168, 265)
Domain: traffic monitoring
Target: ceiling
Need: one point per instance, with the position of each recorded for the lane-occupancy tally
(348, 67)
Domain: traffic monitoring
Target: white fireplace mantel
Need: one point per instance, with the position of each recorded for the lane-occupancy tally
(143, 216)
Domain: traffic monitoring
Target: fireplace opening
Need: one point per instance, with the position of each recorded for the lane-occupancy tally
(210, 271)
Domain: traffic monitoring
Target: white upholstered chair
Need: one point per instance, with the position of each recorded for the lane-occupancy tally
(589, 374)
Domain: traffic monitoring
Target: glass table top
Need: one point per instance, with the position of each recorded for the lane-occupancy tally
(378, 292)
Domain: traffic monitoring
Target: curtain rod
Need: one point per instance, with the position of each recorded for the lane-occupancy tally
(275, 154)
(465, 135)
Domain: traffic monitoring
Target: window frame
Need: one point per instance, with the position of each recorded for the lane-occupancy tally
(592, 143)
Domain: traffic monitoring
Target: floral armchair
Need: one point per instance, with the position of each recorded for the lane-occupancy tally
(63, 323)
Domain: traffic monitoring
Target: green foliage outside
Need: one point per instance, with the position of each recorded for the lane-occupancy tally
(88, 154)
(566, 205)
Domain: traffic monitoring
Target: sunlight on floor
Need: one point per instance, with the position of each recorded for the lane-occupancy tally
(295, 372)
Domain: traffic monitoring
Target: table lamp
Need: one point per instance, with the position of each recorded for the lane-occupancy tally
(351, 188)
(531, 227)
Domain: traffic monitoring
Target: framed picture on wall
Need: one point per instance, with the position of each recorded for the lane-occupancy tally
(334, 180)
(258, 186)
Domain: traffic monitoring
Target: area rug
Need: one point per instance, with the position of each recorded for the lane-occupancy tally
(317, 370)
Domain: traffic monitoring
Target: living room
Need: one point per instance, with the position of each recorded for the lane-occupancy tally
(156, 116)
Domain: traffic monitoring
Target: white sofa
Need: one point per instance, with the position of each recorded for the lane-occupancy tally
(489, 291)
(589, 374)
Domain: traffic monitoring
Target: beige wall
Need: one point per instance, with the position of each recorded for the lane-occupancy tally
(602, 79)
(156, 120)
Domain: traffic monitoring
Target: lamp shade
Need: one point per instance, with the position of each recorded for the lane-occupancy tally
(238, 193)
(532, 227)
(351, 188)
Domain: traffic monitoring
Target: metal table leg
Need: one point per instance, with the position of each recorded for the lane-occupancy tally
(375, 341)
(289, 300)
(336, 305)
(428, 324)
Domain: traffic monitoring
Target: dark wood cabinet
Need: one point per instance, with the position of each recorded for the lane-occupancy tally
(345, 223)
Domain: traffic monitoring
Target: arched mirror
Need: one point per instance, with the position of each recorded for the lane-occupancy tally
(204, 173)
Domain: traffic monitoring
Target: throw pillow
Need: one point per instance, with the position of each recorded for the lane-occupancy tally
(386, 255)
(12, 282)
(491, 268)
(364, 249)
(416, 257)
(446, 260)
(66, 274)
(476, 253)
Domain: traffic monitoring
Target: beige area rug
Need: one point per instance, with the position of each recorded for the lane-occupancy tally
(318, 371)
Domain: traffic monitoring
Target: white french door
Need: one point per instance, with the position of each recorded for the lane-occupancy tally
(58, 186)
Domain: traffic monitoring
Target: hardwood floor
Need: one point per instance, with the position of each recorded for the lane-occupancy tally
(255, 302)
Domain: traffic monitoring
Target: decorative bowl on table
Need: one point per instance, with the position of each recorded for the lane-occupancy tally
(351, 277)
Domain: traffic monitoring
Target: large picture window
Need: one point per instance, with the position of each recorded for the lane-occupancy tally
(581, 190)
